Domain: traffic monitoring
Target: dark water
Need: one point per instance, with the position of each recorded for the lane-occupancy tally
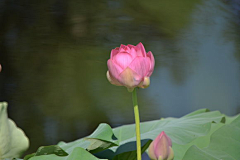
(54, 57)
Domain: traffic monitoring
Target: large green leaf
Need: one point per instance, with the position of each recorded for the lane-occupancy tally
(13, 141)
(182, 131)
(179, 150)
(201, 142)
(224, 144)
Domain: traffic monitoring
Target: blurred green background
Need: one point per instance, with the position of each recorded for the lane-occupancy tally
(54, 54)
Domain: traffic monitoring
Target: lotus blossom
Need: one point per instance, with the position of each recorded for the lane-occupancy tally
(161, 148)
(130, 66)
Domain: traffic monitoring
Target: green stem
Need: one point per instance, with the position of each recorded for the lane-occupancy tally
(137, 121)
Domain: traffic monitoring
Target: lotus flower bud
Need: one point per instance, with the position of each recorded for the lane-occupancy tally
(161, 148)
(130, 66)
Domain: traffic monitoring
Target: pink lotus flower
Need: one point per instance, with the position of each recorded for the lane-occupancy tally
(130, 66)
(161, 148)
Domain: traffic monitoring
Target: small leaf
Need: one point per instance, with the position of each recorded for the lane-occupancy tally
(102, 138)
(54, 149)
(78, 153)
(98, 145)
(104, 132)
(47, 150)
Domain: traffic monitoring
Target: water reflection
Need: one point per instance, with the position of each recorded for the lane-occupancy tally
(208, 48)
(54, 57)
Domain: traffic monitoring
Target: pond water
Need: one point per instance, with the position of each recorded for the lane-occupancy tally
(54, 56)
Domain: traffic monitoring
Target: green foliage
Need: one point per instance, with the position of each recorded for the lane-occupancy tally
(56, 150)
(102, 138)
(13, 141)
(224, 144)
(198, 135)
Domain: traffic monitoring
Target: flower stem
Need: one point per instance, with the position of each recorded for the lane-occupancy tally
(137, 122)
